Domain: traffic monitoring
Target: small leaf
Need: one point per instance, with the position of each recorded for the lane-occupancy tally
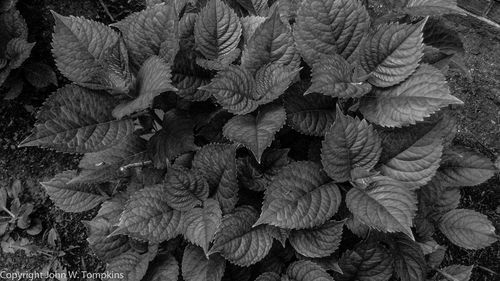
(73, 197)
(305, 271)
(366, 262)
(318, 242)
(201, 224)
(349, 144)
(217, 30)
(457, 272)
(256, 133)
(39, 74)
(424, 93)
(392, 52)
(328, 27)
(185, 189)
(409, 261)
(300, 196)
(197, 267)
(17, 51)
(77, 120)
(166, 270)
(385, 205)
(467, 229)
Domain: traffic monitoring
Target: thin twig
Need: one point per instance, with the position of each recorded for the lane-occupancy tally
(106, 10)
(483, 19)
(487, 269)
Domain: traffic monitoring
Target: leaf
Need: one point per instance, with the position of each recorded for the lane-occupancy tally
(188, 85)
(300, 196)
(239, 241)
(197, 267)
(39, 74)
(439, 199)
(217, 163)
(184, 189)
(385, 205)
(77, 120)
(256, 133)
(249, 25)
(328, 27)
(153, 79)
(217, 30)
(409, 261)
(392, 52)
(131, 265)
(424, 93)
(147, 216)
(17, 51)
(201, 224)
(272, 80)
(271, 42)
(457, 272)
(268, 276)
(175, 138)
(467, 229)
(311, 115)
(438, 35)
(73, 198)
(166, 270)
(234, 89)
(306, 270)
(366, 262)
(149, 32)
(106, 248)
(318, 242)
(349, 144)
(462, 167)
(219, 63)
(422, 8)
(334, 76)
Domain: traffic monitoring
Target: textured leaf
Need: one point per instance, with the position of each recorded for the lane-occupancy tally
(409, 261)
(17, 51)
(467, 229)
(39, 74)
(272, 80)
(131, 264)
(349, 144)
(238, 241)
(166, 270)
(234, 89)
(366, 262)
(200, 224)
(271, 42)
(462, 167)
(385, 205)
(73, 197)
(397, 57)
(439, 199)
(256, 133)
(103, 246)
(268, 276)
(457, 272)
(149, 32)
(217, 30)
(249, 25)
(77, 120)
(185, 189)
(318, 242)
(328, 27)
(312, 114)
(306, 271)
(437, 34)
(221, 62)
(335, 77)
(188, 85)
(147, 216)
(217, 162)
(153, 79)
(300, 196)
(197, 267)
(424, 93)
(422, 8)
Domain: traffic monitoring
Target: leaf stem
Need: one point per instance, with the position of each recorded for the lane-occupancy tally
(8, 212)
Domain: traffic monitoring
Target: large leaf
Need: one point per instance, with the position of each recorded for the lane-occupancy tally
(73, 197)
(318, 242)
(256, 132)
(409, 261)
(468, 229)
(328, 27)
(386, 205)
(185, 189)
(424, 8)
(151, 32)
(392, 52)
(197, 267)
(217, 30)
(335, 77)
(306, 271)
(153, 79)
(78, 120)
(350, 143)
(424, 93)
(462, 167)
(366, 262)
(272, 80)
(300, 196)
(200, 224)
(217, 162)
(147, 216)
(312, 114)
(239, 241)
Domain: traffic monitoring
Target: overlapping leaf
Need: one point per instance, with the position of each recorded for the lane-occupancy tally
(103, 246)
(318, 242)
(457, 272)
(185, 189)
(200, 224)
(438, 199)
(349, 143)
(197, 267)
(300, 196)
(77, 120)
(165, 270)
(424, 8)
(256, 132)
(272, 80)
(268, 276)
(303, 270)
(188, 85)
(409, 261)
(131, 264)
(366, 262)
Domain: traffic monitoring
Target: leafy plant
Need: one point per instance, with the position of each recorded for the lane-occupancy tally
(241, 140)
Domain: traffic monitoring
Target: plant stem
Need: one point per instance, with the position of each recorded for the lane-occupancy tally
(9, 212)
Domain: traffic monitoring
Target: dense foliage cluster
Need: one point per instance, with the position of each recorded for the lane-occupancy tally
(264, 140)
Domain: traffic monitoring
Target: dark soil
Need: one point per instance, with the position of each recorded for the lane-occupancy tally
(479, 128)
